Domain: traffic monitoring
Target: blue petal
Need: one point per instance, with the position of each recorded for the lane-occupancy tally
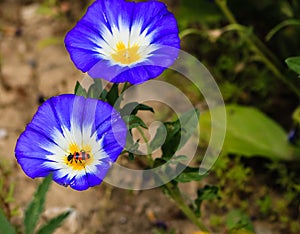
(96, 177)
(111, 127)
(80, 182)
(35, 167)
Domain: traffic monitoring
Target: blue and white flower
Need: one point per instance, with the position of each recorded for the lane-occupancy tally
(124, 41)
(74, 138)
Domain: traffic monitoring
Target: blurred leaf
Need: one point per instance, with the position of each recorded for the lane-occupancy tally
(134, 121)
(53, 223)
(208, 192)
(189, 174)
(190, 10)
(10, 194)
(249, 132)
(294, 64)
(296, 115)
(36, 206)
(238, 220)
(5, 226)
(79, 90)
(50, 41)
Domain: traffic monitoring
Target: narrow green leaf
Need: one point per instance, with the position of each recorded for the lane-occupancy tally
(36, 206)
(5, 226)
(189, 174)
(294, 64)
(134, 121)
(79, 90)
(113, 94)
(53, 223)
(171, 143)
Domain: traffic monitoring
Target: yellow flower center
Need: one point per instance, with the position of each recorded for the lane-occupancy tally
(78, 158)
(125, 55)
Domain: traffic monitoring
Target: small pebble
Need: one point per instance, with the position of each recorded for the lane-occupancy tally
(3, 133)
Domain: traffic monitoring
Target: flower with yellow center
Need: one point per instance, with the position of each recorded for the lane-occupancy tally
(74, 138)
(124, 41)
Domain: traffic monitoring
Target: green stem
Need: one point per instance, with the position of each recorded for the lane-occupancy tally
(176, 196)
(189, 31)
(258, 47)
(174, 192)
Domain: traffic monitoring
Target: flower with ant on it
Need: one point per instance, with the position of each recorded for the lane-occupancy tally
(74, 138)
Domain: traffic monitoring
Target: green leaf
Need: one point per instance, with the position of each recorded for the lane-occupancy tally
(249, 132)
(53, 223)
(189, 174)
(207, 193)
(79, 90)
(189, 122)
(113, 94)
(179, 132)
(36, 206)
(50, 41)
(134, 121)
(296, 115)
(158, 139)
(5, 226)
(236, 220)
(294, 64)
(159, 162)
(172, 140)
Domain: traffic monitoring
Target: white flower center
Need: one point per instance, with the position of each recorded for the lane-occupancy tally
(126, 46)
